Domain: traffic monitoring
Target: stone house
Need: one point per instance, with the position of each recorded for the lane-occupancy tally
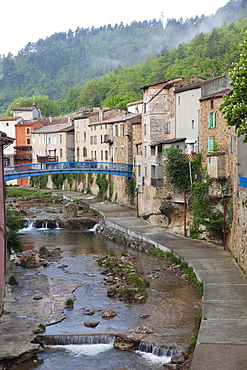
(107, 136)
(158, 133)
(217, 140)
(238, 236)
(55, 141)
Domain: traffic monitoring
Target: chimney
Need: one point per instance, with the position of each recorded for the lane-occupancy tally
(101, 114)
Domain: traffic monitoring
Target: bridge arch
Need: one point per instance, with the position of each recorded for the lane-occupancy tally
(51, 168)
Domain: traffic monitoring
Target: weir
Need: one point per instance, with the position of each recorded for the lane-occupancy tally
(52, 340)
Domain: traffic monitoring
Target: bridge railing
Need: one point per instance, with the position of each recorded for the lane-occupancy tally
(35, 169)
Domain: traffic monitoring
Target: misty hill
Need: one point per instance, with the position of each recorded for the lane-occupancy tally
(64, 60)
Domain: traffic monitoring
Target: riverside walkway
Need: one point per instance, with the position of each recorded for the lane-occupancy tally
(222, 338)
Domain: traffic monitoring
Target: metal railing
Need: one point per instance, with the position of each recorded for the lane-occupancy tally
(49, 168)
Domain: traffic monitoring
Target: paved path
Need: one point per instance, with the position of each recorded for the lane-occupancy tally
(222, 339)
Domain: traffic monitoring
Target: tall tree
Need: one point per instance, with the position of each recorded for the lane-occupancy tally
(234, 107)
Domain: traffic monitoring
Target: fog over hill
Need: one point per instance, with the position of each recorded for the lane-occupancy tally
(64, 60)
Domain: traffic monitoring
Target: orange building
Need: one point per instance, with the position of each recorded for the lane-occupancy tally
(23, 148)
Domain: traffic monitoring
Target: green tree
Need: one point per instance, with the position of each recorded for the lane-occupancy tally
(177, 169)
(234, 107)
(13, 223)
(43, 102)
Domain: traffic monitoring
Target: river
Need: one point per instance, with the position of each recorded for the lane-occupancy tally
(171, 306)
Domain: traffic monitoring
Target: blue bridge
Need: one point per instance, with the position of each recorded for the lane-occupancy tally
(51, 168)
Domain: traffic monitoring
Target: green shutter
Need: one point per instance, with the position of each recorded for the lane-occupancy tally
(210, 144)
(211, 119)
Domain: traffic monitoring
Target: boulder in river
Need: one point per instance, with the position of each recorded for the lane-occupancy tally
(91, 324)
(108, 313)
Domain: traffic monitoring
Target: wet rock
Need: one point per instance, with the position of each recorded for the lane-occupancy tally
(143, 315)
(70, 210)
(91, 324)
(125, 342)
(90, 312)
(108, 313)
(171, 366)
(82, 223)
(177, 359)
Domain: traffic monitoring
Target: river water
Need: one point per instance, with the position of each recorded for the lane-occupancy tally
(171, 305)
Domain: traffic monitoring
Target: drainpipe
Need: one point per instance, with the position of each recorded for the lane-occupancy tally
(185, 211)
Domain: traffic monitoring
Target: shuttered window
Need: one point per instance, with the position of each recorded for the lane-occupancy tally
(210, 144)
(211, 120)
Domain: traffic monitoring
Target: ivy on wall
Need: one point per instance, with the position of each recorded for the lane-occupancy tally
(131, 189)
(102, 183)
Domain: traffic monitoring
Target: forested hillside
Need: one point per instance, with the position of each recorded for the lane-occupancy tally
(67, 67)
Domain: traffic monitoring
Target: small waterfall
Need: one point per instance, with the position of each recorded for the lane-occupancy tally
(44, 225)
(157, 351)
(57, 225)
(94, 228)
(49, 340)
(29, 225)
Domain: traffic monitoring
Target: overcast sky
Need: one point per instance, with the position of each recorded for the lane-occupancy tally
(25, 20)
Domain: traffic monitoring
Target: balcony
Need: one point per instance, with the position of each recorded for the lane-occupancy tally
(47, 159)
(108, 139)
(156, 160)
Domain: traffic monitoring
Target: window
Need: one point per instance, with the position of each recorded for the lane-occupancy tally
(91, 139)
(122, 130)
(7, 123)
(178, 100)
(211, 120)
(61, 153)
(61, 139)
(116, 130)
(145, 129)
(211, 104)
(192, 124)
(84, 152)
(106, 155)
(101, 157)
(145, 108)
(78, 152)
(49, 140)
(210, 144)
(145, 151)
(28, 141)
(28, 131)
(167, 127)
(84, 136)
(232, 144)
(95, 139)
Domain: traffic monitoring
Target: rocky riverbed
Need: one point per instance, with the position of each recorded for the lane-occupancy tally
(55, 296)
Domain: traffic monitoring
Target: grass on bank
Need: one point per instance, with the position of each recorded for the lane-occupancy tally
(183, 267)
(23, 193)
